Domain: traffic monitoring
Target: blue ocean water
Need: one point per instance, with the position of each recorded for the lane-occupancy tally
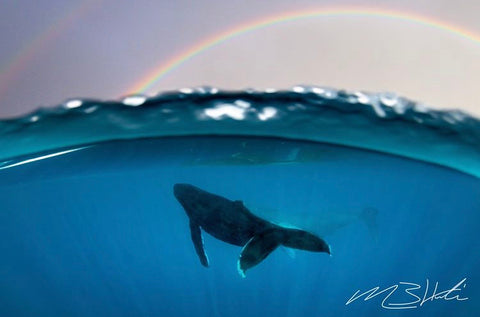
(89, 225)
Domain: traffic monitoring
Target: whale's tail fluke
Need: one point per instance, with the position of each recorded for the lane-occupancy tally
(265, 242)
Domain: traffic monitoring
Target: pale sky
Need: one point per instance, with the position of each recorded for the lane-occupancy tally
(55, 50)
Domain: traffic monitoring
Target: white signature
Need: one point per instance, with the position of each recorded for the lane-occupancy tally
(414, 291)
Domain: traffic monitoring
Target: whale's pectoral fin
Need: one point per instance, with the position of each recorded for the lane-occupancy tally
(258, 248)
(198, 243)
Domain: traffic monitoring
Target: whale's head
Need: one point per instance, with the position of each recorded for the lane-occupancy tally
(181, 190)
(189, 197)
(185, 192)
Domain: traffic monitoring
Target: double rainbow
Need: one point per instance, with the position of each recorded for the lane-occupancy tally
(166, 67)
(20, 61)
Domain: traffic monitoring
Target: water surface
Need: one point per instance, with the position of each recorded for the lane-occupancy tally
(89, 224)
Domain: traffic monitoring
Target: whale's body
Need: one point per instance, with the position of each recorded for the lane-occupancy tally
(231, 222)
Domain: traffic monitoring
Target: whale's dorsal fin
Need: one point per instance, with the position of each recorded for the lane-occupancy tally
(197, 239)
(239, 203)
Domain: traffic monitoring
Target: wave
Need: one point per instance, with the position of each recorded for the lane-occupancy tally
(382, 122)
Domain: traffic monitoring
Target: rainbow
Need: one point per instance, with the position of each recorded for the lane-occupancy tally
(19, 62)
(164, 68)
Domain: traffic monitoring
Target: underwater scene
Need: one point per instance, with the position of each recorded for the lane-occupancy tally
(306, 202)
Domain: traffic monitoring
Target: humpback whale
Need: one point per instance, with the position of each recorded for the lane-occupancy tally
(231, 222)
